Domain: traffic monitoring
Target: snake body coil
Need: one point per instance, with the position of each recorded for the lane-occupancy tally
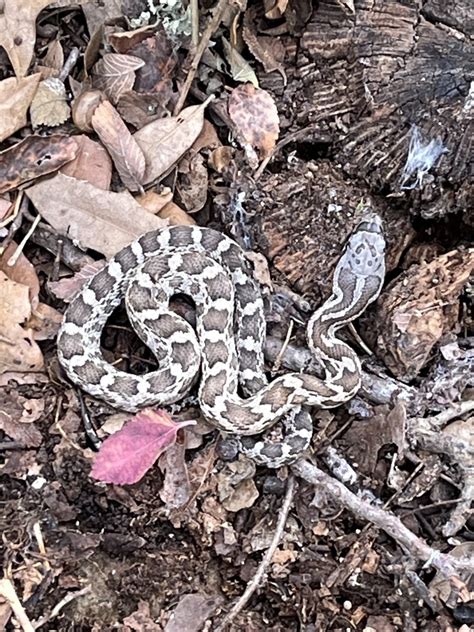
(227, 347)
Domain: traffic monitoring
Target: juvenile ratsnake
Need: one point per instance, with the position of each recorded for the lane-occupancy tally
(227, 347)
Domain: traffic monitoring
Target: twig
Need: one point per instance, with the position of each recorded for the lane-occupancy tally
(194, 4)
(7, 591)
(438, 422)
(212, 26)
(69, 64)
(258, 578)
(59, 606)
(447, 565)
(15, 256)
(286, 342)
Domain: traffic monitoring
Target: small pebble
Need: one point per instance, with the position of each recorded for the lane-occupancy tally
(227, 449)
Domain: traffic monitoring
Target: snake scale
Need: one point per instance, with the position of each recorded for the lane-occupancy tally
(226, 349)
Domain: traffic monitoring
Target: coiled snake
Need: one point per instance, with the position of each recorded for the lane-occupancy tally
(227, 347)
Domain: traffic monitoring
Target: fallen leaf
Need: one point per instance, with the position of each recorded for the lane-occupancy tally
(207, 139)
(49, 106)
(255, 116)
(21, 272)
(15, 98)
(141, 109)
(176, 489)
(17, 415)
(125, 151)
(192, 611)
(54, 58)
(142, 620)
(18, 31)
(153, 201)
(269, 51)
(240, 69)
(45, 322)
(192, 182)
(114, 74)
(175, 215)
(6, 208)
(34, 157)
(159, 62)
(164, 141)
(126, 456)
(92, 163)
(124, 41)
(221, 158)
(67, 288)
(275, 10)
(97, 219)
(18, 350)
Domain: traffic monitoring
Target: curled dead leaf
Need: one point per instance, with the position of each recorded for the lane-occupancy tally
(125, 151)
(34, 157)
(255, 116)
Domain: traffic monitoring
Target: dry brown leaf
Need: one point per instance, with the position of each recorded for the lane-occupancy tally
(92, 163)
(18, 350)
(125, 151)
(17, 415)
(114, 74)
(164, 141)
(123, 41)
(159, 56)
(18, 31)
(221, 158)
(269, 51)
(192, 183)
(274, 10)
(153, 201)
(141, 109)
(34, 157)
(97, 219)
(255, 116)
(45, 322)
(240, 69)
(207, 139)
(175, 215)
(54, 57)
(21, 272)
(15, 98)
(49, 106)
(67, 288)
(6, 207)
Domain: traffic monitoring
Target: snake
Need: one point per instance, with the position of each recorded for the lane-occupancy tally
(223, 352)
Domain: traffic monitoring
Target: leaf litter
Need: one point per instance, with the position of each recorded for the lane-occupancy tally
(134, 168)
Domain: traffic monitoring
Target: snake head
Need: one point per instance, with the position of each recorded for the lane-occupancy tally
(364, 255)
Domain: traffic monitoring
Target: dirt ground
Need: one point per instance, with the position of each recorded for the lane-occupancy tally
(318, 114)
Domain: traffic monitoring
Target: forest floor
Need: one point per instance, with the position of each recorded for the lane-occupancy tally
(280, 124)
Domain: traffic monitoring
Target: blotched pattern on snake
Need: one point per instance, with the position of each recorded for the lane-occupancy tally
(226, 350)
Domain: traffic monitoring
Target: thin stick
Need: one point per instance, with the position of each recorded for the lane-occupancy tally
(194, 4)
(448, 566)
(59, 606)
(7, 591)
(15, 256)
(286, 342)
(208, 33)
(258, 579)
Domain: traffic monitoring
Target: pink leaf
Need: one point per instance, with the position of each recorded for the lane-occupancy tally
(128, 454)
